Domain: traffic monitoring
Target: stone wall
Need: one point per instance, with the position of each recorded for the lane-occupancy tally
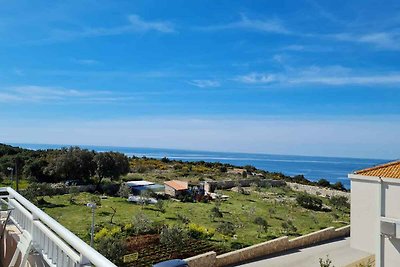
(204, 260)
(210, 186)
(267, 248)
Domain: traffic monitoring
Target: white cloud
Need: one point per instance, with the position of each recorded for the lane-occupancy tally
(329, 75)
(205, 83)
(245, 23)
(48, 94)
(141, 25)
(253, 78)
(135, 25)
(381, 40)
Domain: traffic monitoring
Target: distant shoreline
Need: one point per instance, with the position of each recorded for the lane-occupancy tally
(334, 169)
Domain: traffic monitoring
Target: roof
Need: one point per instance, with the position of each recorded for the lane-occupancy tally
(387, 170)
(177, 185)
(138, 183)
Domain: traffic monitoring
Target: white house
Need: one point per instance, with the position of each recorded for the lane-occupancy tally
(375, 212)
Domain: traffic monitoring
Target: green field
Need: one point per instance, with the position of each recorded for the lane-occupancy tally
(275, 205)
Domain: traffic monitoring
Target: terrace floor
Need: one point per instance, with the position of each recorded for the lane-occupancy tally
(339, 252)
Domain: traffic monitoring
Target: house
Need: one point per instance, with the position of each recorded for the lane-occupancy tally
(375, 212)
(176, 188)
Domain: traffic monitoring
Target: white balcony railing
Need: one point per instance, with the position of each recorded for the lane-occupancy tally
(56, 244)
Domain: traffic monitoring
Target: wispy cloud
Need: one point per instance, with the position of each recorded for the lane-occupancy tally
(205, 83)
(47, 94)
(135, 24)
(257, 78)
(381, 40)
(141, 25)
(245, 23)
(331, 75)
(88, 62)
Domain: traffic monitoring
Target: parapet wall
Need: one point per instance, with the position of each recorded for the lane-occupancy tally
(267, 248)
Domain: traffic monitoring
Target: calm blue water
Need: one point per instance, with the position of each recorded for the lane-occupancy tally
(314, 168)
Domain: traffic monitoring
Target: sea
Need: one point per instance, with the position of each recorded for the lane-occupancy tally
(333, 169)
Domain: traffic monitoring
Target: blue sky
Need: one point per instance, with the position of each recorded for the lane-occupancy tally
(286, 77)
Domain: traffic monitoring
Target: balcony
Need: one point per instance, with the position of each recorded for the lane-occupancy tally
(30, 237)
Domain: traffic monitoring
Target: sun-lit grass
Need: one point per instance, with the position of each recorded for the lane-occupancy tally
(275, 205)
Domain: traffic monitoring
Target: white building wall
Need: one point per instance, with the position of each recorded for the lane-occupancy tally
(391, 209)
(364, 214)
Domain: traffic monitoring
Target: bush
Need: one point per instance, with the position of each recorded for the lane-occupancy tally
(199, 232)
(173, 236)
(160, 206)
(124, 191)
(226, 228)
(262, 225)
(339, 186)
(288, 227)
(183, 218)
(215, 213)
(324, 183)
(141, 224)
(340, 202)
(112, 248)
(309, 202)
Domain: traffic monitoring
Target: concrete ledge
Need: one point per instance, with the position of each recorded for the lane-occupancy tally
(203, 260)
(255, 251)
(267, 248)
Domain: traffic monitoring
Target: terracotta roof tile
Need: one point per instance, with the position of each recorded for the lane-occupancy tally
(388, 170)
(177, 185)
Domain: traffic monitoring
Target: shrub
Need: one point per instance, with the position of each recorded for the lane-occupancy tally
(325, 263)
(173, 236)
(215, 213)
(112, 248)
(160, 206)
(124, 191)
(309, 202)
(199, 232)
(73, 194)
(323, 183)
(288, 227)
(141, 223)
(226, 228)
(262, 225)
(339, 186)
(183, 218)
(340, 202)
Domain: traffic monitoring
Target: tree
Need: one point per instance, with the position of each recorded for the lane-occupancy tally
(215, 213)
(113, 214)
(339, 186)
(36, 191)
(111, 165)
(324, 183)
(71, 163)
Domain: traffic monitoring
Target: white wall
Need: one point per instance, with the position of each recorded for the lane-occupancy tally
(364, 214)
(391, 209)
